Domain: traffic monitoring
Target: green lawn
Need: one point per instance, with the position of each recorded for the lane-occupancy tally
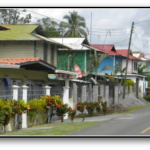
(58, 129)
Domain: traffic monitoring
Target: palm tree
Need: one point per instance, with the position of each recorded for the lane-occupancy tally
(75, 26)
(94, 63)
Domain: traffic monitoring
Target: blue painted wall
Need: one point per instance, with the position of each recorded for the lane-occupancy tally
(109, 61)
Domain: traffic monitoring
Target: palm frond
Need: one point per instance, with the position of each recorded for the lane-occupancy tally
(108, 68)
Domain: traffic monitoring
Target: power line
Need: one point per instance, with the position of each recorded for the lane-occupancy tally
(111, 35)
(45, 16)
(142, 21)
(67, 23)
(147, 40)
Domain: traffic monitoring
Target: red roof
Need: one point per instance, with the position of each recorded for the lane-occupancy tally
(147, 57)
(110, 49)
(15, 61)
(124, 52)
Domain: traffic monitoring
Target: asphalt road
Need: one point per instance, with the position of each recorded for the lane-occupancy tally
(134, 124)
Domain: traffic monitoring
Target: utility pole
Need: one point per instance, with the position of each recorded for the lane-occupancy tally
(127, 60)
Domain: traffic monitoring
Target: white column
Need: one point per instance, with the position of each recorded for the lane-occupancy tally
(47, 90)
(66, 95)
(15, 92)
(15, 97)
(24, 97)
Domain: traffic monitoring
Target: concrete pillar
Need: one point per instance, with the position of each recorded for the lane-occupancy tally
(121, 92)
(107, 95)
(74, 95)
(130, 89)
(24, 97)
(90, 98)
(115, 94)
(66, 95)
(83, 95)
(102, 92)
(47, 90)
(95, 93)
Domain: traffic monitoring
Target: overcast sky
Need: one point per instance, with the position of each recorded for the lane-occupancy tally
(109, 25)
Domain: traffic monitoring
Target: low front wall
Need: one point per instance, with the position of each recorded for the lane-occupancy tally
(38, 121)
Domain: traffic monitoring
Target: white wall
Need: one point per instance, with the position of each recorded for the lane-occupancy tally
(129, 65)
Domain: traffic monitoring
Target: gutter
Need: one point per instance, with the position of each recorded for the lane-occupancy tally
(65, 72)
(9, 66)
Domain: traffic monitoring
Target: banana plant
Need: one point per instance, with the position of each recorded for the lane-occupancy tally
(141, 68)
(112, 76)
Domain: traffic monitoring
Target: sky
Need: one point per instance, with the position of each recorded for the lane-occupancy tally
(109, 25)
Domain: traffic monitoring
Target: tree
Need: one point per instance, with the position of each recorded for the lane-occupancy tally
(51, 27)
(47, 23)
(94, 63)
(141, 68)
(12, 16)
(75, 26)
(52, 32)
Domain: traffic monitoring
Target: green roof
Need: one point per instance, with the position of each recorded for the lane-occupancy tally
(18, 32)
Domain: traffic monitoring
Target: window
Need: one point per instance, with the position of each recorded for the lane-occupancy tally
(135, 66)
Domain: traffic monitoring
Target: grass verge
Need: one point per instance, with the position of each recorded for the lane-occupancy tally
(57, 129)
(126, 110)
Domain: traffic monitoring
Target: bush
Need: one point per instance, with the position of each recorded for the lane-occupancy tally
(98, 107)
(72, 113)
(90, 108)
(104, 107)
(61, 110)
(80, 107)
(128, 83)
(147, 98)
(37, 107)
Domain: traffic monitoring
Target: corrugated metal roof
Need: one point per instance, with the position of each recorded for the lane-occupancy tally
(124, 52)
(147, 57)
(109, 49)
(4, 28)
(103, 47)
(136, 55)
(73, 43)
(139, 55)
(50, 40)
(18, 32)
(93, 48)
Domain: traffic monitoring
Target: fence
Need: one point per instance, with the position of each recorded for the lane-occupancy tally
(6, 93)
(110, 93)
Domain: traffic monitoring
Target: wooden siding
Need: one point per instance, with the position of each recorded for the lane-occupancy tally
(16, 49)
(39, 50)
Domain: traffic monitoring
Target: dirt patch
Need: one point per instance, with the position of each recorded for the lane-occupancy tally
(116, 109)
